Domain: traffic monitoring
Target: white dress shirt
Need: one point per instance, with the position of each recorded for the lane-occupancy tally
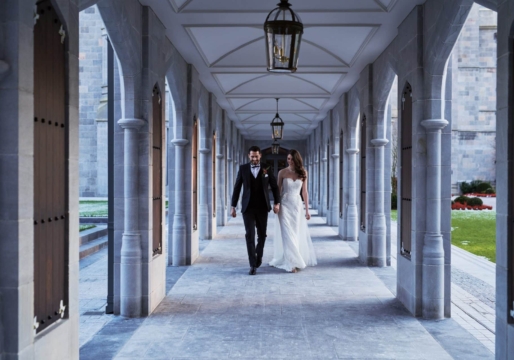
(255, 170)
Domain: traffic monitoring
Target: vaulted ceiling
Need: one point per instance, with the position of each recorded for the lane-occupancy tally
(224, 40)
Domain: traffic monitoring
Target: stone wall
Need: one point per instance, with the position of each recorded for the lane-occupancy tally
(474, 99)
(93, 130)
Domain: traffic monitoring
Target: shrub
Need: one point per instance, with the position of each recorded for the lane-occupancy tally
(465, 187)
(462, 199)
(475, 202)
(482, 187)
(474, 185)
(490, 191)
(394, 201)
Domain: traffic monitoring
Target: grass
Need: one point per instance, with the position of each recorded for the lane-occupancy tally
(473, 231)
(91, 208)
(86, 227)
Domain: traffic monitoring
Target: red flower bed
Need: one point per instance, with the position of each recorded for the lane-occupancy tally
(480, 195)
(459, 206)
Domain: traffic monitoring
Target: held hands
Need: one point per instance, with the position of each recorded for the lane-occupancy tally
(276, 208)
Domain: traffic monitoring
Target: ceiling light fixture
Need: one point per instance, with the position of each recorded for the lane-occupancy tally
(283, 29)
(277, 126)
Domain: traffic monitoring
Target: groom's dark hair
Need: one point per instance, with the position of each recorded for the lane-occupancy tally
(254, 148)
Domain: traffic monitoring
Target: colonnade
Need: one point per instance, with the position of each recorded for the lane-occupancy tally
(417, 56)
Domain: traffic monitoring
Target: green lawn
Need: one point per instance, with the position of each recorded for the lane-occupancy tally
(93, 208)
(86, 227)
(473, 231)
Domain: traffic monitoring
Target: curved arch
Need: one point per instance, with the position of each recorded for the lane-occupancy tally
(127, 44)
(177, 77)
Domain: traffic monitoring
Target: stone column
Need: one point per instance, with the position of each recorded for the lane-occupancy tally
(379, 228)
(131, 253)
(315, 185)
(334, 183)
(236, 157)
(230, 180)
(433, 251)
(179, 219)
(203, 206)
(221, 214)
(352, 219)
(323, 187)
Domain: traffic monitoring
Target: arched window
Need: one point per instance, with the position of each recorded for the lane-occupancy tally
(157, 110)
(364, 145)
(194, 167)
(341, 172)
(214, 174)
(50, 170)
(406, 171)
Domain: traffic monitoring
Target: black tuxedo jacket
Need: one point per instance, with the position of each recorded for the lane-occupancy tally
(243, 179)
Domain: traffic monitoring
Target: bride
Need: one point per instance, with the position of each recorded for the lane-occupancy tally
(292, 242)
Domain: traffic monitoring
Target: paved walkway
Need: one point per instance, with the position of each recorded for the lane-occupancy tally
(336, 310)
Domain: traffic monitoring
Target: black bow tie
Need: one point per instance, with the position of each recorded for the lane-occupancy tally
(255, 166)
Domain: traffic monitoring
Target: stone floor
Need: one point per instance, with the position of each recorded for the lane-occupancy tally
(215, 310)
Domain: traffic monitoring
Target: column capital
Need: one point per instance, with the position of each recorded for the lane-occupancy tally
(324, 159)
(205, 151)
(352, 151)
(219, 156)
(135, 124)
(180, 142)
(379, 142)
(335, 156)
(229, 159)
(434, 124)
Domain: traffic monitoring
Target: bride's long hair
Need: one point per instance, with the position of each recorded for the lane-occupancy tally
(298, 164)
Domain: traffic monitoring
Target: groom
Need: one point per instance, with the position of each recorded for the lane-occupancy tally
(256, 205)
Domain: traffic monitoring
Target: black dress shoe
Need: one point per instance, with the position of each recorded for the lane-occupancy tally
(253, 271)
(258, 263)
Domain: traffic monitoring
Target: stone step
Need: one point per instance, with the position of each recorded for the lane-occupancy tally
(87, 236)
(92, 247)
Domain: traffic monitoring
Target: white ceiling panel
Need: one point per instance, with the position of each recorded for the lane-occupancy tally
(207, 39)
(326, 81)
(342, 41)
(230, 81)
(283, 105)
(278, 84)
(265, 6)
(224, 41)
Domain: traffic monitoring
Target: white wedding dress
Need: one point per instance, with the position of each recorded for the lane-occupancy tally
(292, 241)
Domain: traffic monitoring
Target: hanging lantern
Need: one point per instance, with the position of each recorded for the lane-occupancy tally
(283, 29)
(277, 126)
(275, 148)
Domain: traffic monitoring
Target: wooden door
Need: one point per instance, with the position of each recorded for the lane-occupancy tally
(195, 175)
(157, 196)
(364, 146)
(341, 174)
(214, 175)
(50, 169)
(406, 171)
(328, 176)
